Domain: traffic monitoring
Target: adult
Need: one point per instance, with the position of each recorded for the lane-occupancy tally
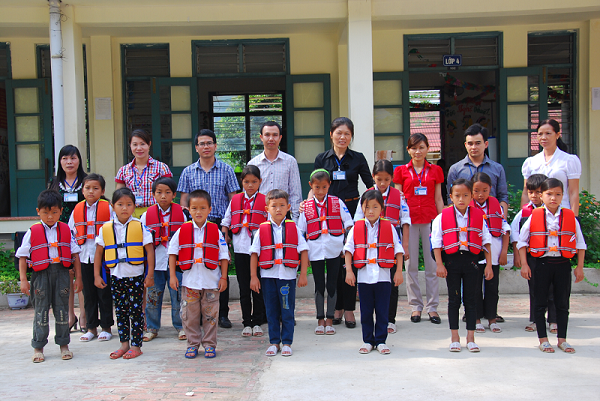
(218, 179)
(278, 170)
(69, 183)
(476, 161)
(344, 166)
(554, 162)
(421, 183)
(140, 174)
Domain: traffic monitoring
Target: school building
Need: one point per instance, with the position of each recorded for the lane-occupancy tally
(394, 67)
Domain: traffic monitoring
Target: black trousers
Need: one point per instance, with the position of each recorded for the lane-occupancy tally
(532, 262)
(248, 298)
(556, 272)
(463, 273)
(96, 299)
(487, 293)
(393, 298)
(318, 268)
(346, 294)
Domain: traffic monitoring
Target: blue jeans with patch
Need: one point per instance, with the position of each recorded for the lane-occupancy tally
(280, 300)
(154, 299)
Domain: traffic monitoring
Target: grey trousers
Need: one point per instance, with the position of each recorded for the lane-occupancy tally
(50, 287)
(415, 299)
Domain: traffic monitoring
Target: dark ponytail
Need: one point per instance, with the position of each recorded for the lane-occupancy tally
(556, 127)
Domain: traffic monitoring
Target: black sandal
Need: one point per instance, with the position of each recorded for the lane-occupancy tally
(337, 320)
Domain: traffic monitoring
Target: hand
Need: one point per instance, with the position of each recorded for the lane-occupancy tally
(525, 271)
(350, 279)
(226, 236)
(503, 260)
(441, 271)
(222, 284)
(406, 254)
(255, 284)
(302, 281)
(78, 286)
(578, 274)
(398, 277)
(489, 273)
(517, 260)
(99, 282)
(301, 210)
(25, 287)
(174, 283)
(149, 282)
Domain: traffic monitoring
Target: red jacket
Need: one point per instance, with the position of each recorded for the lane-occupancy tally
(335, 225)
(386, 255)
(450, 231)
(40, 247)
(209, 245)
(291, 258)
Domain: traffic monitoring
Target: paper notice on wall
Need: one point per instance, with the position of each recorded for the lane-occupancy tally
(595, 98)
(102, 108)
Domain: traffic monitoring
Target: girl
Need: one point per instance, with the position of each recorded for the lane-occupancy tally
(244, 214)
(325, 220)
(396, 210)
(124, 244)
(552, 234)
(421, 183)
(374, 248)
(500, 231)
(460, 234)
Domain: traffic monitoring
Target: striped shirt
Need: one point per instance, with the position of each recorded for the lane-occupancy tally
(141, 183)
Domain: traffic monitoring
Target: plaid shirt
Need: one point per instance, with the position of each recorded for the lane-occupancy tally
(141, 184)
(219, 182)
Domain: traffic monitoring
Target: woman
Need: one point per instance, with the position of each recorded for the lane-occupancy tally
(554, 162)
(140, 174)
(421, 183)
(69, 183)
(344, 166)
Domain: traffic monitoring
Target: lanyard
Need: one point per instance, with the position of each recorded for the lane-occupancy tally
(71, 185)
(421, 177)
(476, 169)
(339, 162)
(138, 183)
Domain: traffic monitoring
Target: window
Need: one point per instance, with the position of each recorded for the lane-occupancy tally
(43, 61)
(425, 119)
(241, 57)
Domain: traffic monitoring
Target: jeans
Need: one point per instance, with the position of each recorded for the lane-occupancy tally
(280, 300)
(154, 300)
(374, 298)
(463, 270)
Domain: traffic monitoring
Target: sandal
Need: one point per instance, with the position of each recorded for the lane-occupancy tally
(210, 352)
(73, 327)
(191, 352)
(117, 354)
(272, 350)
(329, 330)
(66, 355)
(473, 347)
(89, 336)
(479, 328)
(286, 350)
(455, 347)
(392, 329)
(365, 349)
(181, 335)
(565, 346)
(553, 328)
(247, 332)
(383, 349)
(320, 330)
(531, 327)
(104, 336)
(37, 357)
(499, 319)
(149, 336)
(546, 347)
(257, 331)
(495, 328)
(337, 320)
(132, 353)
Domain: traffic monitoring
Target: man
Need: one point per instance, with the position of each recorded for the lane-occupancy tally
(218, 179)
(278, 170)
(477, 161)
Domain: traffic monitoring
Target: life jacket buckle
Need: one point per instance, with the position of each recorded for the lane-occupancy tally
(278, 261)
(553, 249)
(464, 243)
(553, 234)
(373, 245)
(279, 246)
(91, 223)
(165, 223)
(464, 229)
(246, 211)
(245, 224)
(164, 238)
(54, 244)
(485, 216)
(322, 218)
(56, 260)
(200, 245)
(373, 261)
(90, 236)
(324, 231)
(199, 260)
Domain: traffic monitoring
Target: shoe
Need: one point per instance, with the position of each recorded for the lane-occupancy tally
(391, 329)
(247, 332)
(224, 322)
(350, 324)
(415, 318)
(499, 319)
(434, 319)
(73, 327)
(257, 331)
(337, 320)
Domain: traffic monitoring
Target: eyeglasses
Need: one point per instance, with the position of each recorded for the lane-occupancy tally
(203, 144)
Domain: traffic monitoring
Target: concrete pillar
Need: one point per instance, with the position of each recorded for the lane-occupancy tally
(515, 46)
(343, 72)
(73, 82)
(591, 145)
(23, 57)
(360, 76)
(180, 49)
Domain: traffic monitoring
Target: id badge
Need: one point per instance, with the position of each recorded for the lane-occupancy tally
(70, 197)
(339, 175)
(138, 199)
(420, 190)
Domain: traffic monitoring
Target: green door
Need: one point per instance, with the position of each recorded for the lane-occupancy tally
(30, 142)
(523, 93)
(174, 122)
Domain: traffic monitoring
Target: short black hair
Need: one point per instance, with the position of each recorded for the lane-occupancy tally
(168, 181)
(372, 195)
(550, 183)
(462, 181)
(277, 194)
(122, 192)
(200, 194)
(477, 129)
(535, 181)
(383, 166)
(205, 132)
(49, 198)
(271, 124)
(250, 170)
(95, 177)
(481, 177)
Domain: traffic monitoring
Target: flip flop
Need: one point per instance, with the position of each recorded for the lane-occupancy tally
(455, 347)
(365, 349)
(546, 347)
(132, 353)
(149, 336)
(191, 352)
(38, 357)
(391, 329)
(553, 328)
(181, 335)
(66, 355)
(495, 328)
(531, 327)
(87, 337)
(247, 332)
(272, 350)
(104, 336)
(286, 350)
(473, 347)
(210, 352)
(329, 330)
(383, 349)
(565, 346)
(257, 331)
(479, 328)
(117, 354)
(320, 330)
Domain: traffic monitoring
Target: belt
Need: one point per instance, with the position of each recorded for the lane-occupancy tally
(352, 199)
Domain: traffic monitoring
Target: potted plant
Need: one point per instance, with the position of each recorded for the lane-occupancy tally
(12, 289)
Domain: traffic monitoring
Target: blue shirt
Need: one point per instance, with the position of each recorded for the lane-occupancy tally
(219, 182)
(466, 169)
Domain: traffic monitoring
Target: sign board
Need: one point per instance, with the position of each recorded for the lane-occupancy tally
(452, 60)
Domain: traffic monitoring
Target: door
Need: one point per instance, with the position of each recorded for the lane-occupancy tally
(522, 106)
(30, 142)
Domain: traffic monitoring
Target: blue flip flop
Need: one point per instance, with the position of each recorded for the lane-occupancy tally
(191, 352)
(209, 352)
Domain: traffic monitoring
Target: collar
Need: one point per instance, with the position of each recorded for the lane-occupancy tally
(196, 225)
(48, 227)
(467, 160)
(320, 203)
(249, 198)
(557, 214)
(533, 204)
(263, 156)
(426, 164)
(160, 209)
(275, 224)
(116, 221)
(330, 153)
(480, 205)
(374, 226)
(386, 193)
(460, 214)
(92, 205)
(150, 161)
(215, 164)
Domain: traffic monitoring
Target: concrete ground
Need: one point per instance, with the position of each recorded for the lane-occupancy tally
(509, 367)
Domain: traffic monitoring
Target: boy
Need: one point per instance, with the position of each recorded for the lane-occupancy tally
(163, 218)
(278, 247)
(52, 251)
(199, 249)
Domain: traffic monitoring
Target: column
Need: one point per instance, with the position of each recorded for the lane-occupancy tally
(589, 143)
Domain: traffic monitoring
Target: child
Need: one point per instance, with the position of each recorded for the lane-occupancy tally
(374, 248)
(553, 236)
(396, 210)
(163, 219)
(324, 220)
(199, 249)
(124, 244)
(461, 233)
(534, 193)
(245, 213)
(277, 248)
(500, 230)
(85, 222)
(52, 251)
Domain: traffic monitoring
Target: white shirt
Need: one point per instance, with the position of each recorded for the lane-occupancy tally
(462, 221)
(514, 226)
(161, 258)
(279, 271)
(199, 277)
(326, 246)
(562, 165)
(404, 211)
(88, 249)
(24, 250)
(552, 224)
(124, 269)
(371, 273)
(241, 241)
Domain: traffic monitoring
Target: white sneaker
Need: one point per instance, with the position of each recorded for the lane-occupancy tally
(247, 332)
(257, 331)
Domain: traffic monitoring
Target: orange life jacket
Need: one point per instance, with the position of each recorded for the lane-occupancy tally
(392, 208)
(209, 245)
(493, 216)
(40, 247)
(450, 231)
(81, 223)
(289, 244)
(154, 222)
(385, 245)
(256, 215)
(332, 215)
(538, 234)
